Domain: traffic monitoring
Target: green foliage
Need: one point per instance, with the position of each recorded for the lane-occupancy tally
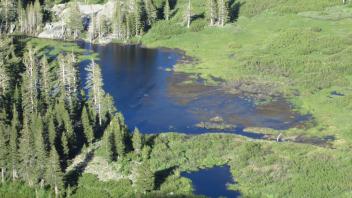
(145, 180)
(137, 140)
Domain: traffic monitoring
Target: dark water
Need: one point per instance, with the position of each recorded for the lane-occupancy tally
(212, 182)
(156, 100)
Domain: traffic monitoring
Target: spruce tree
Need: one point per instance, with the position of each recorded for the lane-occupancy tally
(40, 146)
(151, 11)
(27, 153)
(145, 181)
(14, 143)
(45, 81)
(96, 92)
(54, 174)
(7, 14)
(68, 80)
(138, 12)
(223, 12)
(74, 20)
(30, 82)
(137, 141)
(51, 131)
(212, 11)
(4, 144)
(87, 127)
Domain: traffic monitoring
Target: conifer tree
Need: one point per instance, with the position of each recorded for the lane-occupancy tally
(45, 81)
(3, 151)
(87, 127)
(7, 14)
(54, 174)
(27, 153)
(137, 141)
(117, 20)
(40, 146)
(145, 181)
(51, 131)
(65, 124)
(138, 11)
(151, 11)
(212, 11)
(223, 12)
(95, 85)
(68, 80)
(74, 20)
(30, 82)
(14, 143)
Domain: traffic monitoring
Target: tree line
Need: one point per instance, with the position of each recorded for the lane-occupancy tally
(47, 117)
(130, 18)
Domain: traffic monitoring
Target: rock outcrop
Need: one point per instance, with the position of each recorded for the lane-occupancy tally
(56, 30)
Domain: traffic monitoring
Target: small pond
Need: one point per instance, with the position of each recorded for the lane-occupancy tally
(212, 182)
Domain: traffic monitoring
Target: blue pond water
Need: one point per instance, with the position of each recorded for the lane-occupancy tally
(156, 100)
(212, 182)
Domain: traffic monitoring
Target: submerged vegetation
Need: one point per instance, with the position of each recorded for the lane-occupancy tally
(61, 138)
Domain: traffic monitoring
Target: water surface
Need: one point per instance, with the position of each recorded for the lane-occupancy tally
(212, 182)
(155, 99)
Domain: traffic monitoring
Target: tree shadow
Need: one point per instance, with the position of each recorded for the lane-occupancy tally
(71, 177)
(198, 16)
(162, 175)
(234, 10)
(172, 4)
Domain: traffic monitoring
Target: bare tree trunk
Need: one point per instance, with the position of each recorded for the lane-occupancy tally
(278, 139)
(56, 191)
(189, 14)
(14, 174)
(2, 175)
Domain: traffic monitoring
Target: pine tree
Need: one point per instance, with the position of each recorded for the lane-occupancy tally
(40, 146)
(118, 19)
(212, 11)
(51, 131)
(54, 174)
(14, 143)
(138, 11)
(145, 181)
(30, 82)
(45, 81)
(223, 12)
(151, 11)
(3, 151)
(38, 16)
(167, 10)
(68, 80)
(95, 85)
(74, 20)
(27, 153)
(7, 14)
(137, 140)
(92, 28)
(87, 127)
(65, 124)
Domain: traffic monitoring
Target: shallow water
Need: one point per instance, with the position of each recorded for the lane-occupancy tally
(212, 182)
(156, 100)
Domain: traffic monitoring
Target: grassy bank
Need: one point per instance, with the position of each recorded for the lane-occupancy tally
(302, 48)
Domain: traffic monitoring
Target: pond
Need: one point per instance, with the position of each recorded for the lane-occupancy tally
(155, 99)
(212, 182)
